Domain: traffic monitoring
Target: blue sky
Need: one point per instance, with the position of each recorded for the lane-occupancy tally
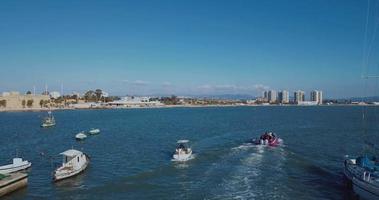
(183, 47)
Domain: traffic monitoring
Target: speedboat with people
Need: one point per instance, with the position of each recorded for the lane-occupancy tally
(182, 152)
(81, 136)
(94, 131)
(74, 162)
(48, 121)
(362, 174)
(17, 165)
(269, 139)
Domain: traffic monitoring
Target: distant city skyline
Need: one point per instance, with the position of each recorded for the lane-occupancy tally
(183, 47)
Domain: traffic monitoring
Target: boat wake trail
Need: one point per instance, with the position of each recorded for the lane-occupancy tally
(254, 174)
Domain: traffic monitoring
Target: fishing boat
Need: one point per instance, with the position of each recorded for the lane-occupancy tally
(268, 139)
(182, 152)
(362, 174)
(48, 121)
(17, 165)
(74, 162)
(94, 131)
(81, 136)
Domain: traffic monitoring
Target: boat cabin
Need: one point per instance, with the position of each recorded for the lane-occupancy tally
(70, 155)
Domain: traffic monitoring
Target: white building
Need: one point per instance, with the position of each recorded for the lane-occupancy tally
(55, 94)
(272, 96)
(135, 102)
(299, 96)
(307, 103)
(284, 97)
(316, 96)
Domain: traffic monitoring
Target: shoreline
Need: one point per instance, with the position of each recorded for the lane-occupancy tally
(168, 106)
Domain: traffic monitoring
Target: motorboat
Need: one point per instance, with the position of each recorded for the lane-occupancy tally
(94, 131)
(362, 174)
(81, 136)
(74, 162)
(269, 139)
(182, 152)
(17, 165)
(48, 121)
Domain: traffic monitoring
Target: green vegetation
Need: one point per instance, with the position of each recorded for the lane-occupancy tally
(3, 103)
(29, 103)
(23, 103)
(173, 100)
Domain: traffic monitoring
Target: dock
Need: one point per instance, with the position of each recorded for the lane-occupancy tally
(12, 182)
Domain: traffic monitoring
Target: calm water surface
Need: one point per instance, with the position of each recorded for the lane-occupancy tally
(130, 159)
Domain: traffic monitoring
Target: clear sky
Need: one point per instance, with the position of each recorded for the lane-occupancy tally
(183, 47)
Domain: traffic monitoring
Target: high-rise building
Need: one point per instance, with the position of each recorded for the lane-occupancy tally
(272, 96)
(283, 97)
(316, 96)
(299, 96)
(265, 95)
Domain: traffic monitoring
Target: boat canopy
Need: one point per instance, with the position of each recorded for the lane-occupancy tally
(182, 141)
(71, 153)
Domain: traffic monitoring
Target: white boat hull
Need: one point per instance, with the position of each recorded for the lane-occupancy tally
(93, 132)
(80, 136)
(182, 157)
(61, 174)
(7, 169)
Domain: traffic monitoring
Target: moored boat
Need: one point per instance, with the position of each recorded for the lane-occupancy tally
(74, 162)
(269, 139)
(17, 165)
(182, 152)
(94, 131)
(48, 121)
(362, 174)
(81, 136)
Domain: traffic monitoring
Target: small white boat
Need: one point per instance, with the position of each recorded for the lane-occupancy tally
(74, 162)
(81, 136)
(48, 121)
(17, 165)
(94, 131)
(182, 152)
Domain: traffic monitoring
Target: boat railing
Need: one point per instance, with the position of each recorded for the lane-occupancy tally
(366, 176)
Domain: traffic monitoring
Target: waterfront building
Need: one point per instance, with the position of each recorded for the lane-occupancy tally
(307, 103)
(283, 97)
(15, 100)
(272, 96)
(316, 96)
(135, 102)
(265, 96)
(299, 96)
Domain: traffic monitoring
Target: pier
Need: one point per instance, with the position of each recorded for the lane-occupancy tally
(12, 182)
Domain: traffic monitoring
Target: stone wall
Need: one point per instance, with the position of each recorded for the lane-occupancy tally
(15, 100)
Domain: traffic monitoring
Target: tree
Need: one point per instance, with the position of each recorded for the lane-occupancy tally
(28, 92)
(3, 103)
(90, 95)
(98, 94)
(41, 103)
(23, 103)
(29, 103)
